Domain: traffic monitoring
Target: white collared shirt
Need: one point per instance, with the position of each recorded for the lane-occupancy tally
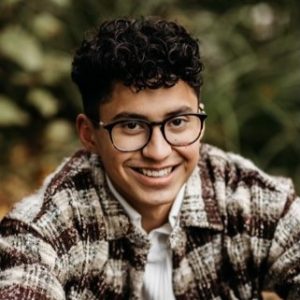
(157, 282)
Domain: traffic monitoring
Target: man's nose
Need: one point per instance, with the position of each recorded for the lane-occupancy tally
(157, 148)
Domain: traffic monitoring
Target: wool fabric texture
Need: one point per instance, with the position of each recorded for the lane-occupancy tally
(238, 233)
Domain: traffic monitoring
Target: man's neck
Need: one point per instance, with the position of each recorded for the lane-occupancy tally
(154, 217)
(150, 216)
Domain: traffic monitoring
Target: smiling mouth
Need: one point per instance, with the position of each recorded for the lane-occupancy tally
(155, 173)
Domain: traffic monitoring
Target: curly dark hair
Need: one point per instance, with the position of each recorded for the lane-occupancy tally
(141, 53)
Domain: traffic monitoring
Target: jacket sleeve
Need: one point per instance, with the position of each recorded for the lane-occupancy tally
(284, 255)
(29, 266)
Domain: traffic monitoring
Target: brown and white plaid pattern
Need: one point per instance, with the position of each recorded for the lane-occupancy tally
(238, 233)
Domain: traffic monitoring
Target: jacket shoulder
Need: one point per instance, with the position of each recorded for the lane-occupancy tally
(235, 170)
(64, 204)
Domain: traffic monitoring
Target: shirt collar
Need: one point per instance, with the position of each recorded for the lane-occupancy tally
(135, 217)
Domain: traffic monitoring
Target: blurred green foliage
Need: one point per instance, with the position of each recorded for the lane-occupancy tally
(251, 81)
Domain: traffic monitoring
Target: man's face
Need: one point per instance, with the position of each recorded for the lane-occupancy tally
(149, 178)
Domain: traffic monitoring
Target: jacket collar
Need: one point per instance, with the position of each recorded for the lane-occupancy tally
(200, 207)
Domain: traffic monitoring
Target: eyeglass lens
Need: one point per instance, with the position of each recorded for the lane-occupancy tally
(131, 135)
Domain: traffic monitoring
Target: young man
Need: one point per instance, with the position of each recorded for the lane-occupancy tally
(146, 211)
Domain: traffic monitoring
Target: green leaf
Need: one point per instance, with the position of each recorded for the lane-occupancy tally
(47, 26)
(21, 47)
(10, 2)
(56, 66)
(44, 101)
(58, 132)
(11, 114)
(62, 3)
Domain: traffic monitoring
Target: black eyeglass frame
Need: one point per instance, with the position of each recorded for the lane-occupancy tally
(109, 127)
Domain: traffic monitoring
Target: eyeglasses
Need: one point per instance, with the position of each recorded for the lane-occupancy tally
(134, 134)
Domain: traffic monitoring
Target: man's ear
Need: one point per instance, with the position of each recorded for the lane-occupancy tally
(203, 131)
(86, 132)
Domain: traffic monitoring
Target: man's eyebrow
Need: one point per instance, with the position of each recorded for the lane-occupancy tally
(130, 115)
(180, 110)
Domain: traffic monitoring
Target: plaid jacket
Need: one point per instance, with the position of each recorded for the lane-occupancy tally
(238, 233)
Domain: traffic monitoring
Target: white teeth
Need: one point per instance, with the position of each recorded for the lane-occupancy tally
(156, 173)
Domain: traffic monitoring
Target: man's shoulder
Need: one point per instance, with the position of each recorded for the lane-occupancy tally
(70, 187)
(236, 170)
(225, 163)
(241, 189)
(77, 171)
(225, 158)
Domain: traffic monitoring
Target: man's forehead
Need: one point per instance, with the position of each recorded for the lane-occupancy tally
(143, 115)
(124, 101)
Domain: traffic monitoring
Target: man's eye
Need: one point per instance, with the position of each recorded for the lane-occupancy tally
(131, 125)
(178, 122)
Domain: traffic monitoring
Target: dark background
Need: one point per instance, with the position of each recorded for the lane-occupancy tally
(251, 50)
(251, 80)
